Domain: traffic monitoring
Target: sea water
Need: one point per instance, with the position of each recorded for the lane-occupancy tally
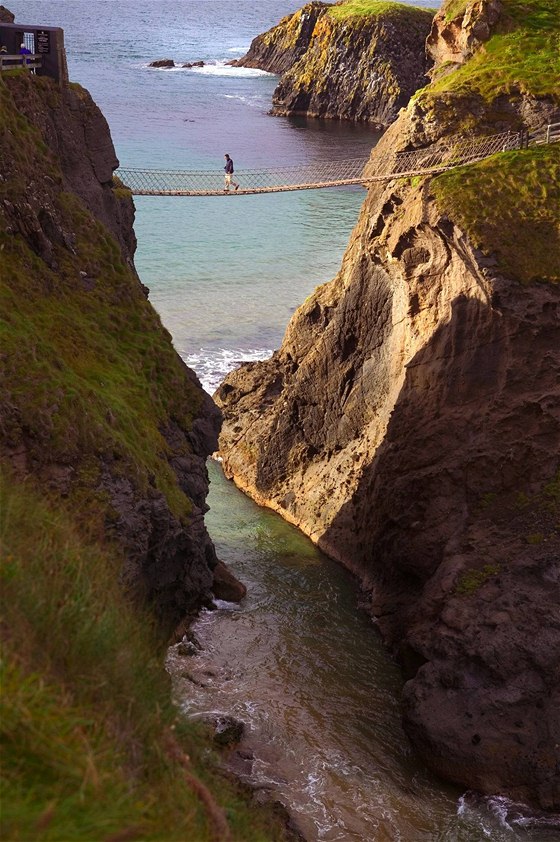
(296, 662)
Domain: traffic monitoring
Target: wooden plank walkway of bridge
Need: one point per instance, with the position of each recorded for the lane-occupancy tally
(418, 162)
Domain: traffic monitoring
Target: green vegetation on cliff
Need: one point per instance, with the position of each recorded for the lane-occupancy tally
(92, 747)
(508, 206)
(89, 369)
(521, 57)
(372, 8)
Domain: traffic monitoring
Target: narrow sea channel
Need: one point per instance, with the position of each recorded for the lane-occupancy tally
(303, 668)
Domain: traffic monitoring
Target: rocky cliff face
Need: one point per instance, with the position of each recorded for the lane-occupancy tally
(410, 425)
(97, 409)
(345, 66)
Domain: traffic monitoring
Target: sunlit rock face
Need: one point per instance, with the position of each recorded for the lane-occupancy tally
(353, 68)
(410, 425)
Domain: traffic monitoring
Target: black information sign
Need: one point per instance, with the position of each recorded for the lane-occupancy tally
(43, 41)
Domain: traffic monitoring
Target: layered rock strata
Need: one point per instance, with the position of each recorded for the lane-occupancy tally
(110, 419)
(358, 67)
(410, 425)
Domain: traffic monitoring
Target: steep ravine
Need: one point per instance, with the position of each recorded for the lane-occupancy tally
(410, 421)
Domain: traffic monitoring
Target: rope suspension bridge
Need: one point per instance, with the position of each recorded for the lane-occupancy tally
(438, 158)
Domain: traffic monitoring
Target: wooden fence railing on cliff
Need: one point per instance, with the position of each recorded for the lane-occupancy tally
(442, 156)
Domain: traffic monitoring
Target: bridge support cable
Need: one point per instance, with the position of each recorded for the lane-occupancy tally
(451, 152)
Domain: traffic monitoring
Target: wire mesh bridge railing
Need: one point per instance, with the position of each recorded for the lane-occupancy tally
(437, 158)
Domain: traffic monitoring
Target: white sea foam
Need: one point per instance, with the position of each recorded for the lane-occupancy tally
(211, 68)
(221, 68)
(496, 813)
(251, 101)
(212, 366)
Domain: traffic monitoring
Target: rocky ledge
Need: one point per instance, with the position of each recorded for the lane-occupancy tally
(340, 63)
(410, 425)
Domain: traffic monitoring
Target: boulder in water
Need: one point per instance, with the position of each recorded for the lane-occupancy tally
(162, 62)
(225, 586)
(228, 730)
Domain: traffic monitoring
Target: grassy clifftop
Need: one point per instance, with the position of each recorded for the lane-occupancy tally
(508, 206)
(371, 8)
(521, 57)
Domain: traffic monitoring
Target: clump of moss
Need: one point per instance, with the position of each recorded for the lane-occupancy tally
(521, 57)
(471, 580)
(508, 206)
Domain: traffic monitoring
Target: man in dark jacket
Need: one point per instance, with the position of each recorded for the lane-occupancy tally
(229, 173)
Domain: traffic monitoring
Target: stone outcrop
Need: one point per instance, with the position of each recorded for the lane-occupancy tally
(410, 425)
(277, 50)
(452, 40)
(129, 461)
(162, 62)
(360, 67)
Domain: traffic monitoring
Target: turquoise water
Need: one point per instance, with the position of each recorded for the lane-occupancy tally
(296, 662)
(224, 273)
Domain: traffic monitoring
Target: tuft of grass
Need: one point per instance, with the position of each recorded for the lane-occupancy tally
(508, 206)
(374, 8)
(454, 9)
(521, 57)
(471, 580)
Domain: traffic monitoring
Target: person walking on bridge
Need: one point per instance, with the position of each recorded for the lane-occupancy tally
(229, 174)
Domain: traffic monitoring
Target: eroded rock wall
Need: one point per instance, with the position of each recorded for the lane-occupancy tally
(410, 425)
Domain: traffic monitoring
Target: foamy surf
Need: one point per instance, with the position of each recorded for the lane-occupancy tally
(496, 813)
(211, 68)
(222, 68)
(211, 366)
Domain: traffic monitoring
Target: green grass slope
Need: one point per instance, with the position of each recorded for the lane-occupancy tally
(509, 207)
(90, 373)
(522, 57)
(507, 204)
(92, 747)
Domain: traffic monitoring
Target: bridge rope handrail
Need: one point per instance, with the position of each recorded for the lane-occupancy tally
(441, 156)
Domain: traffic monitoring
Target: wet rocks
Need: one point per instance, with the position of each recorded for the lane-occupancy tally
(228, 731)
(162, 62)
(225, 585)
